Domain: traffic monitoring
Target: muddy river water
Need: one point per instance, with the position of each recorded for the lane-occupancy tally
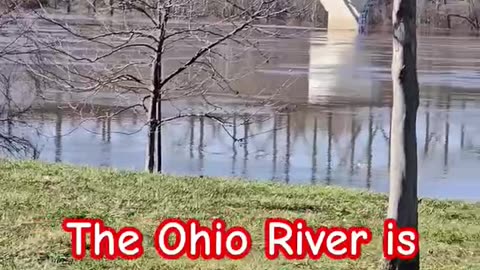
(332, 130)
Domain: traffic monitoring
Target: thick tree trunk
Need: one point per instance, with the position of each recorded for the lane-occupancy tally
(403, 201)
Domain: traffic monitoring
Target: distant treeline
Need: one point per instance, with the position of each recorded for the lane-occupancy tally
(454, 14)
(297, 12)
(436, 13)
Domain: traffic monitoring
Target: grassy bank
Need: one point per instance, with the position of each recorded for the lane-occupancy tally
(36, 197)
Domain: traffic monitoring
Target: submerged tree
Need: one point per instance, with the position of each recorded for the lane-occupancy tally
(17, 89)
(403, 202)
(472, 17)
(137, 58)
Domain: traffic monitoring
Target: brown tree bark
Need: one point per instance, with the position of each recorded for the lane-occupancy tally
(403, 202)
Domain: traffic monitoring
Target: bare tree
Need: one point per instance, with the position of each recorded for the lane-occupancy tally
(472, 17)
(403, 202)
(117, 58)
(17, 93)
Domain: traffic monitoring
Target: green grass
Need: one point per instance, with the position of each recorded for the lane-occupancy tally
(36, 197)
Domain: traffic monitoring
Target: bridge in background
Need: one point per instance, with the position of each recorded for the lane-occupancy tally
(353, 14)
(344, 14)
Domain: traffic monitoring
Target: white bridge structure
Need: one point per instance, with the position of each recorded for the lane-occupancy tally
(353, 14)
(344, 14)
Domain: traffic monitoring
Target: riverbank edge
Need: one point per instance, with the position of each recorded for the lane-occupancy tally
(36, 197)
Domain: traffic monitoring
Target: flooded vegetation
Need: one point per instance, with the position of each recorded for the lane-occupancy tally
(326, 120)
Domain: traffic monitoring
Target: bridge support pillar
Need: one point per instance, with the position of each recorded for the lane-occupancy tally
(336, 22)
(342, 14)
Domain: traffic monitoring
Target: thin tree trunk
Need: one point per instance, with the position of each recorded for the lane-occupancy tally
(403, 202)
(370, 146)
(152, 126)
(58, 136)
(155, 114)
(159, 133)
(329, 148)
(314, 152)
(163, 19)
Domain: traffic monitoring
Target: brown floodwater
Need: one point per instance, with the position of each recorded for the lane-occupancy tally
(331, 127)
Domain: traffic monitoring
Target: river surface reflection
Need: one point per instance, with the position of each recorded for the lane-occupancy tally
(336, 133)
